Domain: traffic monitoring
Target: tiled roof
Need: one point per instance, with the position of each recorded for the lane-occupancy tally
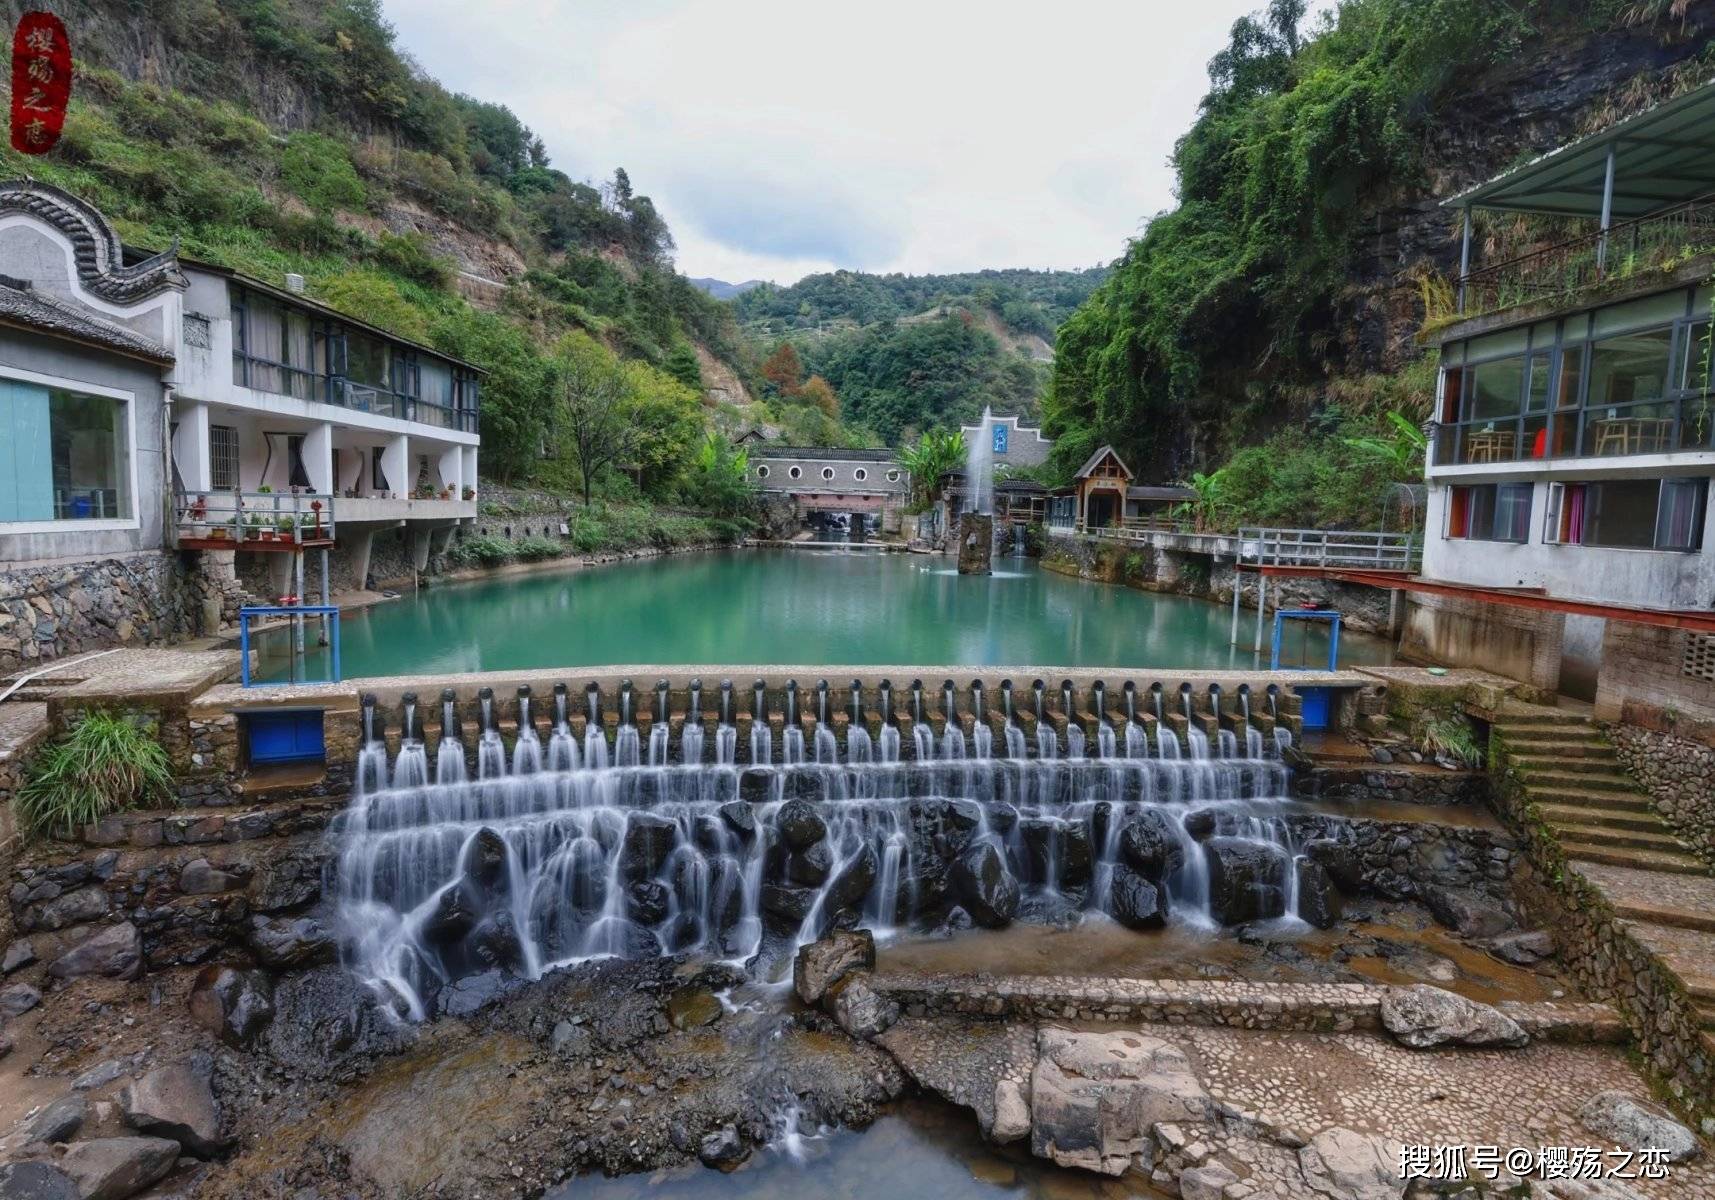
(29, 309)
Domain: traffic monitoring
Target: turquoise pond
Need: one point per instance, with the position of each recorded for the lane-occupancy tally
(801, 607)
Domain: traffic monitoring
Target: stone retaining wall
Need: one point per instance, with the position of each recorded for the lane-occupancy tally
(1149, 568)
(1427, 785)
(49, 612)
(1239, 1004)
(1401, 859)
(1674, 759)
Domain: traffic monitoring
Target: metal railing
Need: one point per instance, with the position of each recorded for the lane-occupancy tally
(1570, 266)
(1374, 550)
(254, 519)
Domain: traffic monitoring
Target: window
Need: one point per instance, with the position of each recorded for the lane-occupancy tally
(1563, 523)
(1644, 514)
(223, 458)
(1699, 661)
(762, 471)
(64, 456)
(860, 474)
(794, 472)
(893, 477)
(1490, 512)
(827, 472)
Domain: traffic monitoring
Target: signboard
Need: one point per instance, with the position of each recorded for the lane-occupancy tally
(41, 82)
(999, 439)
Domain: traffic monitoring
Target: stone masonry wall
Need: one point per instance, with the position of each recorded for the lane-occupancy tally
(1152, 569)
(1645, 665)
(52, 611)
(1674, 759)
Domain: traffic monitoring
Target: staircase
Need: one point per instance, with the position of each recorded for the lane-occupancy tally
(1583, 793)
(1662, 892)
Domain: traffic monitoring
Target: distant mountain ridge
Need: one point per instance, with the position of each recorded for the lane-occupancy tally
(720, 289)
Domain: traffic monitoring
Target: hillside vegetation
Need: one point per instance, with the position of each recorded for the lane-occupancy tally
(904, 354)
(294, 135)
(1237, 319)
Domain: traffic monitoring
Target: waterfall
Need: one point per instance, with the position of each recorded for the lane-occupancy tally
(548, 856)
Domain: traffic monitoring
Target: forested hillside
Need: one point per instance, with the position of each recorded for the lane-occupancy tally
(902, 354)
(1266, 325)
(294, 135)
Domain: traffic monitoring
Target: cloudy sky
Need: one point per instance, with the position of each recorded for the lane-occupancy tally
(780, 138)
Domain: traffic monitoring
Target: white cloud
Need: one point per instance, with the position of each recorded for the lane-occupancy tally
(782, 137)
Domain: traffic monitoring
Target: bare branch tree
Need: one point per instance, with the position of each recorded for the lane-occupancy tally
(595, 416)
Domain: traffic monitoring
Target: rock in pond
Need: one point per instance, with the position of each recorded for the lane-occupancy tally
(176, 1102)
(985, 887)
(1318, 898)
(1423, 1017)
(115, 951)
(1465, 912)
(1633, 1124)
(723, 1149)
(823, 963)
(114, 1168)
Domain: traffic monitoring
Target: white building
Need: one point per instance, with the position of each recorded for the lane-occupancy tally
(1574, 432)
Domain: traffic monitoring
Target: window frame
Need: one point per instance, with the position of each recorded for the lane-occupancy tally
(1464, 508)
(91, 524)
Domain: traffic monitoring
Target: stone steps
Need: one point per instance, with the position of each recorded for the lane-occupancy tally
(1592, 751)
(1602, 835)
(1642, 860)
(1573, 772)
(1566, 816)
(1512, 717)
(1677, 918)
(1531, 735)
(1590, 799)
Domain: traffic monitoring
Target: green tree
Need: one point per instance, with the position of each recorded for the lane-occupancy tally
(718, 478)
(935, 453)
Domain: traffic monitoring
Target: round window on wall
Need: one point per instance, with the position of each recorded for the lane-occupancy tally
(860, 474)
(794, 472)
(762, 472)
(827, 472)
(893, 477)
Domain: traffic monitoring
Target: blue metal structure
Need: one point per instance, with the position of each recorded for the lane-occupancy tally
(295, 612)
(1283, 615)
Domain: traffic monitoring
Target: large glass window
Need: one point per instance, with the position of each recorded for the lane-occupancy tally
(1490, 512)
(64, 456)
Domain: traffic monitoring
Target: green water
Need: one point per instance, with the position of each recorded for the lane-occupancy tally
(800, 607)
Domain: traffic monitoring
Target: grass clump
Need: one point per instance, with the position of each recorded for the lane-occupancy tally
(106, 764)
(482, 550)
(1452, 739)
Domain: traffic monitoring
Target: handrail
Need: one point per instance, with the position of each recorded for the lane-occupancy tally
(255, 517)
(1374, 548)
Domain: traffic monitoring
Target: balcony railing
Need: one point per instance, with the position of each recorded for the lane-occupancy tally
(1567, 267)
(1601, 431)
(254, 520)
(1370, 549)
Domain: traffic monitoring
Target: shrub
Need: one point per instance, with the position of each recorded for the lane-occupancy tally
(318, 169)
(107, 763)
(535, 549)
(1452, 738)
(483, 550)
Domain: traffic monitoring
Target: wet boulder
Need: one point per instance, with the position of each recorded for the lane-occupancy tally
(1134, 901)
(1318, 898)
(1341, 860)
(495, 942)
(1523, 949)
(1634, 1124)
(290, 942)
(648, 902)
(789, 904)
(985, 887)
(1200, 824)
(114, 1168)
(739, 817)
(824, 962)
(800, 825)
(485, 863)
(177, 1102)
(115, 951)
(942, 828)
(1151, 845)
(854, 881)
(723, 1149)
(89, 903)
(649, 839)
(860, 1010)
(233, 1005)
(457, 911)
(1055, 851)
(1002, 816)
(1247, 880)
(1465, 912)
(811, 865)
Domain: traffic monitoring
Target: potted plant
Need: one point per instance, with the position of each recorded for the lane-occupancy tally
(286, 525)
(469, 492)
(197, 515)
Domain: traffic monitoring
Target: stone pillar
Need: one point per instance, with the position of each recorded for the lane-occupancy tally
(360, 545)
(420, 548)
(396, 465)
(318, 458)
(976, 543)
(190, 447)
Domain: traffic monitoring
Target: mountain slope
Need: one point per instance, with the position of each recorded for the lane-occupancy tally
(720, 289)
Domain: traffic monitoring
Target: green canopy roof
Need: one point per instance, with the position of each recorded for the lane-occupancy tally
(1663, 156)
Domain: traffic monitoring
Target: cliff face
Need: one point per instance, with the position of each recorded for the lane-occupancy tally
(1559, 89)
